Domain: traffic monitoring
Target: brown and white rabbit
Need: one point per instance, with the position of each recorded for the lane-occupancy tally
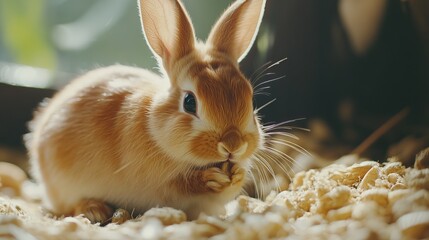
(127, 137)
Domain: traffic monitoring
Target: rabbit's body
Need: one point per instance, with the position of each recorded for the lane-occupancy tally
(95, 157)
(128, 137)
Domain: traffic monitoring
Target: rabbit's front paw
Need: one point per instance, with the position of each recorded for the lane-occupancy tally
(237, 174)
(217, 179)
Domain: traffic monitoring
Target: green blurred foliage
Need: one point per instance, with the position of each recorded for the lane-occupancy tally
(23, 32)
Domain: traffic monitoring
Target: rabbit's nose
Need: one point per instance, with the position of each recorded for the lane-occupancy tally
(231, 144)
(232, 154)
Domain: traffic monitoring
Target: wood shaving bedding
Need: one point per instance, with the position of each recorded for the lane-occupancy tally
(366, 200)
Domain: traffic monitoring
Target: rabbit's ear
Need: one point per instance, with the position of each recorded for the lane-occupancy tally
(167, 28)
(237, 28)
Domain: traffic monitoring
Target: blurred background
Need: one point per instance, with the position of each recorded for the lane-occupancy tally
(352, 65)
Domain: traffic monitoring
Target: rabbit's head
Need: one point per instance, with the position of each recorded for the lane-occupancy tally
(207, 115)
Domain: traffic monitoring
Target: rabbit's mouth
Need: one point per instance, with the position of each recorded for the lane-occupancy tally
(226, 164)
(220, 164)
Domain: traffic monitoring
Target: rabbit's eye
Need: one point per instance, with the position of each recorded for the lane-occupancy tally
(190, 103)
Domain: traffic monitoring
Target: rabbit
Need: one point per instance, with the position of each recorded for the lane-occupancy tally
(127, 137)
